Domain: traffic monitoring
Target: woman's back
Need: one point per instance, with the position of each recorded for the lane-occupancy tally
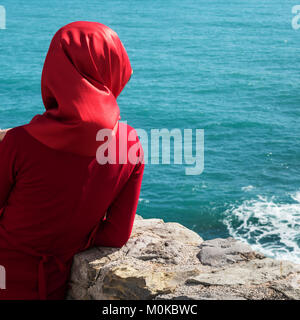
(54, 204)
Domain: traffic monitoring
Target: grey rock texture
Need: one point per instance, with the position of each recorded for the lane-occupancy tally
(168, 261)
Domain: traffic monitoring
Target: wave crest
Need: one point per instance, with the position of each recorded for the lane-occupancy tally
(270, 227)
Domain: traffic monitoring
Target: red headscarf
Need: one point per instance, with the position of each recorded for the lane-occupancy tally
(85, 70)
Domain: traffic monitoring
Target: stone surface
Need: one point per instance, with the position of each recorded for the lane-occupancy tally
(219, 252)
(168, 261)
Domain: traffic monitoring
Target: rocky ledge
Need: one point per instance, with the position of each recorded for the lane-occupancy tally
(168, 261)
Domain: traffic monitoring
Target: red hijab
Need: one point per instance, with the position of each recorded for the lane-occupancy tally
(85, 70)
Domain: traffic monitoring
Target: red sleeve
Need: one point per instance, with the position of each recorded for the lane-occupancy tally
(7, 161)
(116, 229)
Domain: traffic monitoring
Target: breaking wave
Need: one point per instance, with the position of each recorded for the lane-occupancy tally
(270, 227)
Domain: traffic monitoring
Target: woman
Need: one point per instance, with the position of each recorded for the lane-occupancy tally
(55, 198)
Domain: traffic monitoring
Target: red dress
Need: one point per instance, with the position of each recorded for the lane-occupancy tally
(52, 206)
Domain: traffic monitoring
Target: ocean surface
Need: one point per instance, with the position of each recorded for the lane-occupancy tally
(228, 67)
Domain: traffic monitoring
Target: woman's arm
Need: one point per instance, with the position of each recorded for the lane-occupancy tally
(116, 229)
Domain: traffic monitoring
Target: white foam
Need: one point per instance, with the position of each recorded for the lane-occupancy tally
(270, 227)
(296, 196)
(248, 188)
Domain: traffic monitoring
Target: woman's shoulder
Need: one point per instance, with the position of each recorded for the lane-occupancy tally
(10, 143)
(10, 135)
(16, 131)
(17, 134)
(20, 140)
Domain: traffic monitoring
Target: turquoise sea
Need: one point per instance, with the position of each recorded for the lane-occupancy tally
(228, 67)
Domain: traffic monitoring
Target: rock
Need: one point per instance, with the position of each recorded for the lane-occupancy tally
(254, 272)
(219, 252)
(128, 282)
(169, 231)
(168, 261)
(290, 289)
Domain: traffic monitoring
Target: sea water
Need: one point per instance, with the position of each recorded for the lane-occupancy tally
(228, 67)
